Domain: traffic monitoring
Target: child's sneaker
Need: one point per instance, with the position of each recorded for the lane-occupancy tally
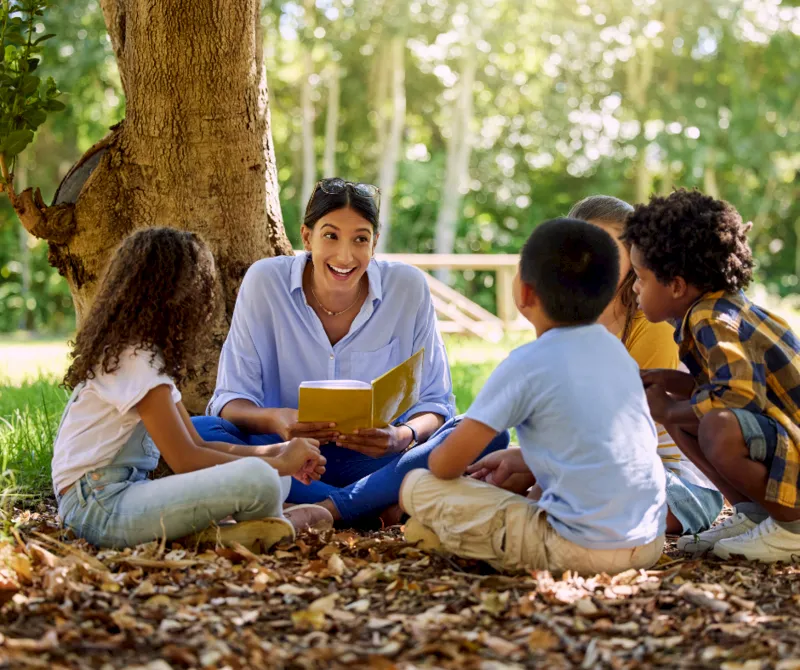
(256, 535)
(702, 542)
(767, 543)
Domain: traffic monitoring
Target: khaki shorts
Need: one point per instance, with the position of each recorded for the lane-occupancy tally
(476, 520)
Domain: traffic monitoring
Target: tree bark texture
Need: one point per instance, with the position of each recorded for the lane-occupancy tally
(459, 150)
(194, 153)
(307, 110)
(393, 139)
(332, 122)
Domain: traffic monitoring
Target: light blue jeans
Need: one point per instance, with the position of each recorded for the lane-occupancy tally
(117, 506)
(696, 507)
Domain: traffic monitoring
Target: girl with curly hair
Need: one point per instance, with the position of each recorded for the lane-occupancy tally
(693, 501)
(135, 346)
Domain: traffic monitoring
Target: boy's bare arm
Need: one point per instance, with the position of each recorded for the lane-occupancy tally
(451, 458)
(675, 382)
(682, 414)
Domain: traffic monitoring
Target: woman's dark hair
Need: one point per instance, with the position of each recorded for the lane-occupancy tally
(322, 203)
(155, 295)
(613, 212)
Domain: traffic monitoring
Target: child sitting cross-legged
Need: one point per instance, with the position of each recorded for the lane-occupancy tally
(586, 437)
(736, 414)
(138, 341)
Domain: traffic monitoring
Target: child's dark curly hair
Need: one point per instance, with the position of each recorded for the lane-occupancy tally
(691, 235)
(155, 296)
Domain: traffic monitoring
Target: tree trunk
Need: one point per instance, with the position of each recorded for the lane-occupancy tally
(194, 152)
(26, 319)
(639, 71)
(307, 112)
(459, 149)
(710, 185)
(331, 122)
(391, 152)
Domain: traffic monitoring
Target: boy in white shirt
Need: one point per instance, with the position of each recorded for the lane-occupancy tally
(588, 444)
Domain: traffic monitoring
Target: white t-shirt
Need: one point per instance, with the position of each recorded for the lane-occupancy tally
(585, 431)
(103, 416)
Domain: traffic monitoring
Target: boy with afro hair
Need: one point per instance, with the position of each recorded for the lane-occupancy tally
(736, 413)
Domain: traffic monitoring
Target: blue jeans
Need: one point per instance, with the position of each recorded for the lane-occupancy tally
(696, 507)
(358, 485)
(118, 506)
(760, 433)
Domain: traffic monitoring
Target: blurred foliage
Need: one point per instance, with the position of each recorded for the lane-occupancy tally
(571, 97)
(80, 58)
(24, 103)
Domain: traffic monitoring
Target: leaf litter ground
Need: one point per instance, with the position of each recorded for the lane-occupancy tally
(368, 599)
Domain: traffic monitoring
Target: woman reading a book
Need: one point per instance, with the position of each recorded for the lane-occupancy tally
(334, 312)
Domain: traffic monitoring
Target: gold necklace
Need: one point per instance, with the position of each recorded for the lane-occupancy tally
(325, 309)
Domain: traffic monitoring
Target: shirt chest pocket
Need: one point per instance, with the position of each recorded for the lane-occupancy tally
(366, 366)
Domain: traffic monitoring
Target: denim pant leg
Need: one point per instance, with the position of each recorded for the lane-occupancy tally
(126, 513)
(380, 488)
(217, 429)
(343, 467)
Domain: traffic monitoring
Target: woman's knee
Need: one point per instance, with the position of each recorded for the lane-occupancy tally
(207, 426)
(500, 441)
(718, 435)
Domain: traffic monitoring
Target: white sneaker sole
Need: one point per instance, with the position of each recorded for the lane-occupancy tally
(721, 551)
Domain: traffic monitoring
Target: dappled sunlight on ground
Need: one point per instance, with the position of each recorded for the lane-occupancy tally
(344, 598)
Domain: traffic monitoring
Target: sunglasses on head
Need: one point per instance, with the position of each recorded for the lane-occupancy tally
(335, 185)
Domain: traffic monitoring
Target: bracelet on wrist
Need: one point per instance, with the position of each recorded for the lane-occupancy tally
(414, 440)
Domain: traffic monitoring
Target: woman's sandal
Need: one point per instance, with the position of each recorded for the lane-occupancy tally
(308, 516)
(255, 535)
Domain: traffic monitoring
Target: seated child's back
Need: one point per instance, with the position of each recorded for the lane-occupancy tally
(588, 461)
(585, 431)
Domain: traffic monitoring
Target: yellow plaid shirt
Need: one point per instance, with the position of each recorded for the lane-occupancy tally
(743, 357)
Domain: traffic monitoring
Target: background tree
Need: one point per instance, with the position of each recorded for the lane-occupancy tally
(559, 111)
(193, 152)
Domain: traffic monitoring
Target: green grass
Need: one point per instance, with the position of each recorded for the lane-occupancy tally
(31, 403)
(29, 416)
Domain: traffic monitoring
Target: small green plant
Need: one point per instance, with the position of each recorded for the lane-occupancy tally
(25, 100)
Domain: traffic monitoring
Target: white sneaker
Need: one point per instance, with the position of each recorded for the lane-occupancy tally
(767, 543)
(702, 542)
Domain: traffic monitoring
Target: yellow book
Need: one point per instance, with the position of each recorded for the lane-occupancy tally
(354, 405)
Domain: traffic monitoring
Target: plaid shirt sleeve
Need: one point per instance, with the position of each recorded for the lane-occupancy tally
(733, 380)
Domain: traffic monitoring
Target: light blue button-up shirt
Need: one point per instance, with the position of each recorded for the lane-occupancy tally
(276, 341)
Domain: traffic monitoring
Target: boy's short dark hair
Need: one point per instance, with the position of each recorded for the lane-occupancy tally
(691, 235)
(574, 268)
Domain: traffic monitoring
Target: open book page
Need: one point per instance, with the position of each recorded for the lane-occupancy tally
(348, 406)
(397, 391)
(354, 405)
(348, 384)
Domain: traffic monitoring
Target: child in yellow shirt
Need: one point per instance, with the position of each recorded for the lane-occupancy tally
(694, 502)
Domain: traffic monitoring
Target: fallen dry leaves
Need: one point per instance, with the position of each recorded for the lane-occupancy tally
(348, 599)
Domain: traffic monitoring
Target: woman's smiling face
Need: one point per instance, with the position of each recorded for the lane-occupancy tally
(341, 245)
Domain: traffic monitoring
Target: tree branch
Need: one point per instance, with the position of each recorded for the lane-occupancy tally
(54, 224)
